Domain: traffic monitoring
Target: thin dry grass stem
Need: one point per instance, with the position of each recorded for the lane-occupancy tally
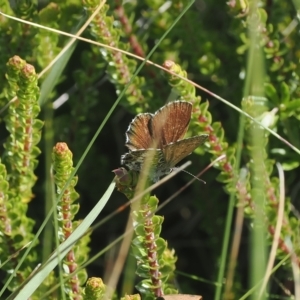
(14, 255)
(190, 182)
(238, 228)
(74, 38)
(152, 187)
(283, 288)
(118, 267)
(64, 50)
(124, 246)
(81, 38)
(256, 286)
(142, 182)
(280, 216)
(296, 274)
(135, 205)
(160, 182)
(126, 242)
(161, 68)
(155, 65)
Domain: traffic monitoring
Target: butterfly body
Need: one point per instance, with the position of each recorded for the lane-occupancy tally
(158, 139)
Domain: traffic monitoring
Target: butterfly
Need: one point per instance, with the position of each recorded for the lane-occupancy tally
(160, 137)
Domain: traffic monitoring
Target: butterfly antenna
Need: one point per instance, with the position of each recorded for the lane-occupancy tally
(209, 166)
(192, 175)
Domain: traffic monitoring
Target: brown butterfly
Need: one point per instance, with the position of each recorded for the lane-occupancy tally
(160, 137)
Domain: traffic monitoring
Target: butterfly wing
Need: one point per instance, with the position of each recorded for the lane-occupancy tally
(135, 159)
(138, 135)
(176, 151)
(155, 167)
(170, 123)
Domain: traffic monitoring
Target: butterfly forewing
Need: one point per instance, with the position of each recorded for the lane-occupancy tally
(138, 135)
(175, 152)
(170, 123)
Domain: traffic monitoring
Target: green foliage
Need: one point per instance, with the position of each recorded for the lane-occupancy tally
(213, 45)
(155, 263)
(95, 289)
(66, 211)
(120, 68)
(20, 159)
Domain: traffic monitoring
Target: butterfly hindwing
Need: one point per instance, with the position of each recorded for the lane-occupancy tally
(136, 158)
(175, 152)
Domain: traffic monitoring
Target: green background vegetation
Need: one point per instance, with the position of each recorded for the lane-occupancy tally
(246, 53)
